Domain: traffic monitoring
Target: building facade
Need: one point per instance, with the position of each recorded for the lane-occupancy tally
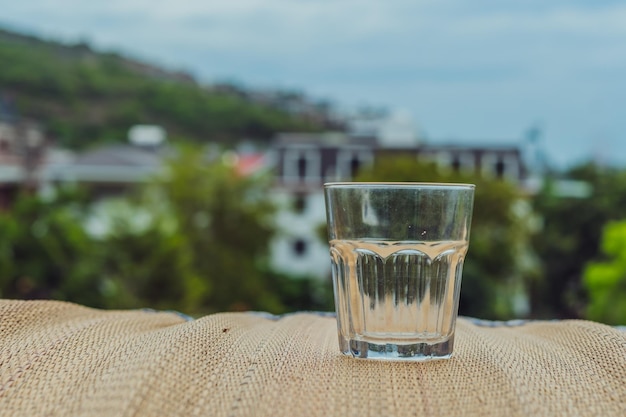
(304, 162)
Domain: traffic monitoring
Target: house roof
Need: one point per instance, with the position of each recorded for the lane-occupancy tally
(121, 155)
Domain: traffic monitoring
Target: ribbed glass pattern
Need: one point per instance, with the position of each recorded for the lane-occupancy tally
(403, 291)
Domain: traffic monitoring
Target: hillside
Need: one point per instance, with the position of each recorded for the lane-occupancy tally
(83, 97)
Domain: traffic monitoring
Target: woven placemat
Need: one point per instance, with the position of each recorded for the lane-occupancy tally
(60, 359)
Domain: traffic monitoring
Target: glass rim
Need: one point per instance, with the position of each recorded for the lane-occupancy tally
(399, 184)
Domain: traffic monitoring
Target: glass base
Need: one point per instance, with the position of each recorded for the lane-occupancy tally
(411, 352)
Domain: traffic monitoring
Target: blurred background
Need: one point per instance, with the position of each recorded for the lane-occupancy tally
(172, 155)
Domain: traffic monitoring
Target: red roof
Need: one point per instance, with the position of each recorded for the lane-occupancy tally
(250, 163)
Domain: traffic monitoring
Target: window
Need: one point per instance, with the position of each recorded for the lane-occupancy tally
(456, 163)
(499, 168)
(299, 203)
(302, 167)
(299, 247)
(350, 161)
(355, 164)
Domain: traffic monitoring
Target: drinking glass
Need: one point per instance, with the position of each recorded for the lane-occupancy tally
(397, 252)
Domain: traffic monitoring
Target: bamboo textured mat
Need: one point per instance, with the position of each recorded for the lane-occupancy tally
(61, 359)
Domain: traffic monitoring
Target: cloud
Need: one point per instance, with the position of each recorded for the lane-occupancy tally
(484, 68)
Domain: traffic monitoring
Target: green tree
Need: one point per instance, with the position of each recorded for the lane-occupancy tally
(145, 259)
(605, 281)
(571, 235)
(83, 97)
(500, 263)
(226, 223)
(196, 239)
(45, 252)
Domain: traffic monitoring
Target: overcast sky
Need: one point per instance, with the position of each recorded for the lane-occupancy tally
(481, 71)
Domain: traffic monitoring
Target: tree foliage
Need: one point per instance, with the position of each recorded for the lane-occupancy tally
(571, 235)
(605, 280)
(46, 253)
(227, 222)
(195, 239)
(145, 262)
(84, 97)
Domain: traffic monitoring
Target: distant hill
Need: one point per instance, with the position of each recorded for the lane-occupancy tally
(83, 97)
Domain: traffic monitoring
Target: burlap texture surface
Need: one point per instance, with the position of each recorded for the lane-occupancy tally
(60, 359)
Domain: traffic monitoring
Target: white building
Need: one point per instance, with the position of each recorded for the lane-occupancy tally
(304, 162)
